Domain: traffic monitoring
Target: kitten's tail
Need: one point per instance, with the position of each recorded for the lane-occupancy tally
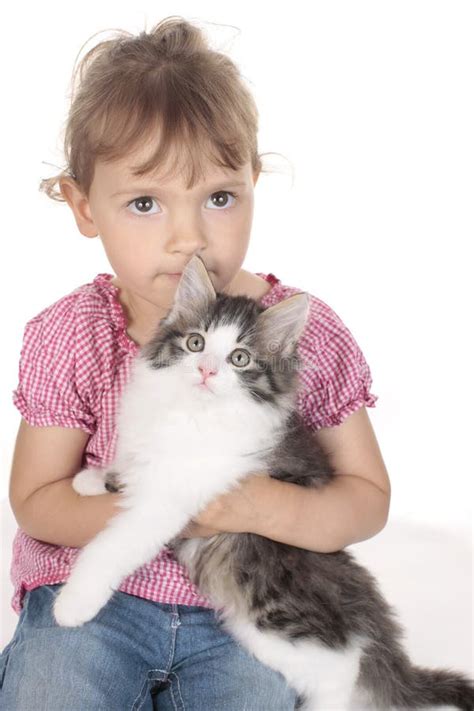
(393, 680)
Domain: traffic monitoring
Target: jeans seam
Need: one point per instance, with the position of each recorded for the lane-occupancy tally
(147, 684)
(140, 699)
(175, 623)
(183, 707)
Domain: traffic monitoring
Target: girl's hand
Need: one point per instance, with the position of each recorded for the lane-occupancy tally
(194, 530)
(234, 512)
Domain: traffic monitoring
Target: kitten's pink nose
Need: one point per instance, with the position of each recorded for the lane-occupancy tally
(206, 372)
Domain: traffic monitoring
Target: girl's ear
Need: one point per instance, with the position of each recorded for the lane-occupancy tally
(79, 204)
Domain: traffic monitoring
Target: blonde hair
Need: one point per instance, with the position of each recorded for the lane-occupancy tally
(166, 85)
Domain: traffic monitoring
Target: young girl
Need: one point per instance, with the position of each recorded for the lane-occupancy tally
(161, 148)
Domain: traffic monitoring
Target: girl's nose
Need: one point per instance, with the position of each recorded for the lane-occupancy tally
(188, 239)
(206, 371)
(188, 246)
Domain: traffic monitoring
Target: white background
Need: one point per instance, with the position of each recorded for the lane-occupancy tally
(371, 105)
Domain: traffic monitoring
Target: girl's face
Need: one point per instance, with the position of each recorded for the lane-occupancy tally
(150, 228)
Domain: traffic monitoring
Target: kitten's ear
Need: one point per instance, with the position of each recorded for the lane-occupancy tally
(281, 325)
(195, 292)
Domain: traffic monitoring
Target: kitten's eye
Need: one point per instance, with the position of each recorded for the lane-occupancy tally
(240, 358)
(195, 342)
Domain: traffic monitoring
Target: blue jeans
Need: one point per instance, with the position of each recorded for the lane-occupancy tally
(135, 654)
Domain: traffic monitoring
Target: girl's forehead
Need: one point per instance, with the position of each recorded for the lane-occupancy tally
(121, 174)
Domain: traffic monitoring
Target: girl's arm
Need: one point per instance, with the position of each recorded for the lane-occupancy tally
(43, 501)
(352, 508)
(59, 515)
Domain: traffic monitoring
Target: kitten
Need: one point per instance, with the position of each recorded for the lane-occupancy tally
(318, 618)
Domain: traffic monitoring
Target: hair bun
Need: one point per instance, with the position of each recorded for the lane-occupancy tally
(176, 36)
(167, 88)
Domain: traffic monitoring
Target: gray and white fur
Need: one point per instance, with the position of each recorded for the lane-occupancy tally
(317, 618)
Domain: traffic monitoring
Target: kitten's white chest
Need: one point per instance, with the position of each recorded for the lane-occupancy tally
(198, 445)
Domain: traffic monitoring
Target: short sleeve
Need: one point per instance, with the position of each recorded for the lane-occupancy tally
(54, 387)
(336, 376)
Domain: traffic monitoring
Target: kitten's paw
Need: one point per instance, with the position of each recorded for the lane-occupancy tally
(89, 482)
(72, 607)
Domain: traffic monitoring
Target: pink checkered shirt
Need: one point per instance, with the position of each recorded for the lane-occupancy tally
(75, 360)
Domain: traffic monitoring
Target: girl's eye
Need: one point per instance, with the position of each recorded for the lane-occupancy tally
(195, 342)
(240, 357)
(221, 199)
(143, 205)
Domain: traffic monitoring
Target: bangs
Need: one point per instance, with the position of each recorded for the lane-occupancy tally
(182, 130)
(163, 97)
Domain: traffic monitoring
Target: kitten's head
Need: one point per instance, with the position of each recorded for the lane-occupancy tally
(217, 345)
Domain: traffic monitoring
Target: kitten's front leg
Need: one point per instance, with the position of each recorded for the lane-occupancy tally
(93, 481)
(131, 538)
